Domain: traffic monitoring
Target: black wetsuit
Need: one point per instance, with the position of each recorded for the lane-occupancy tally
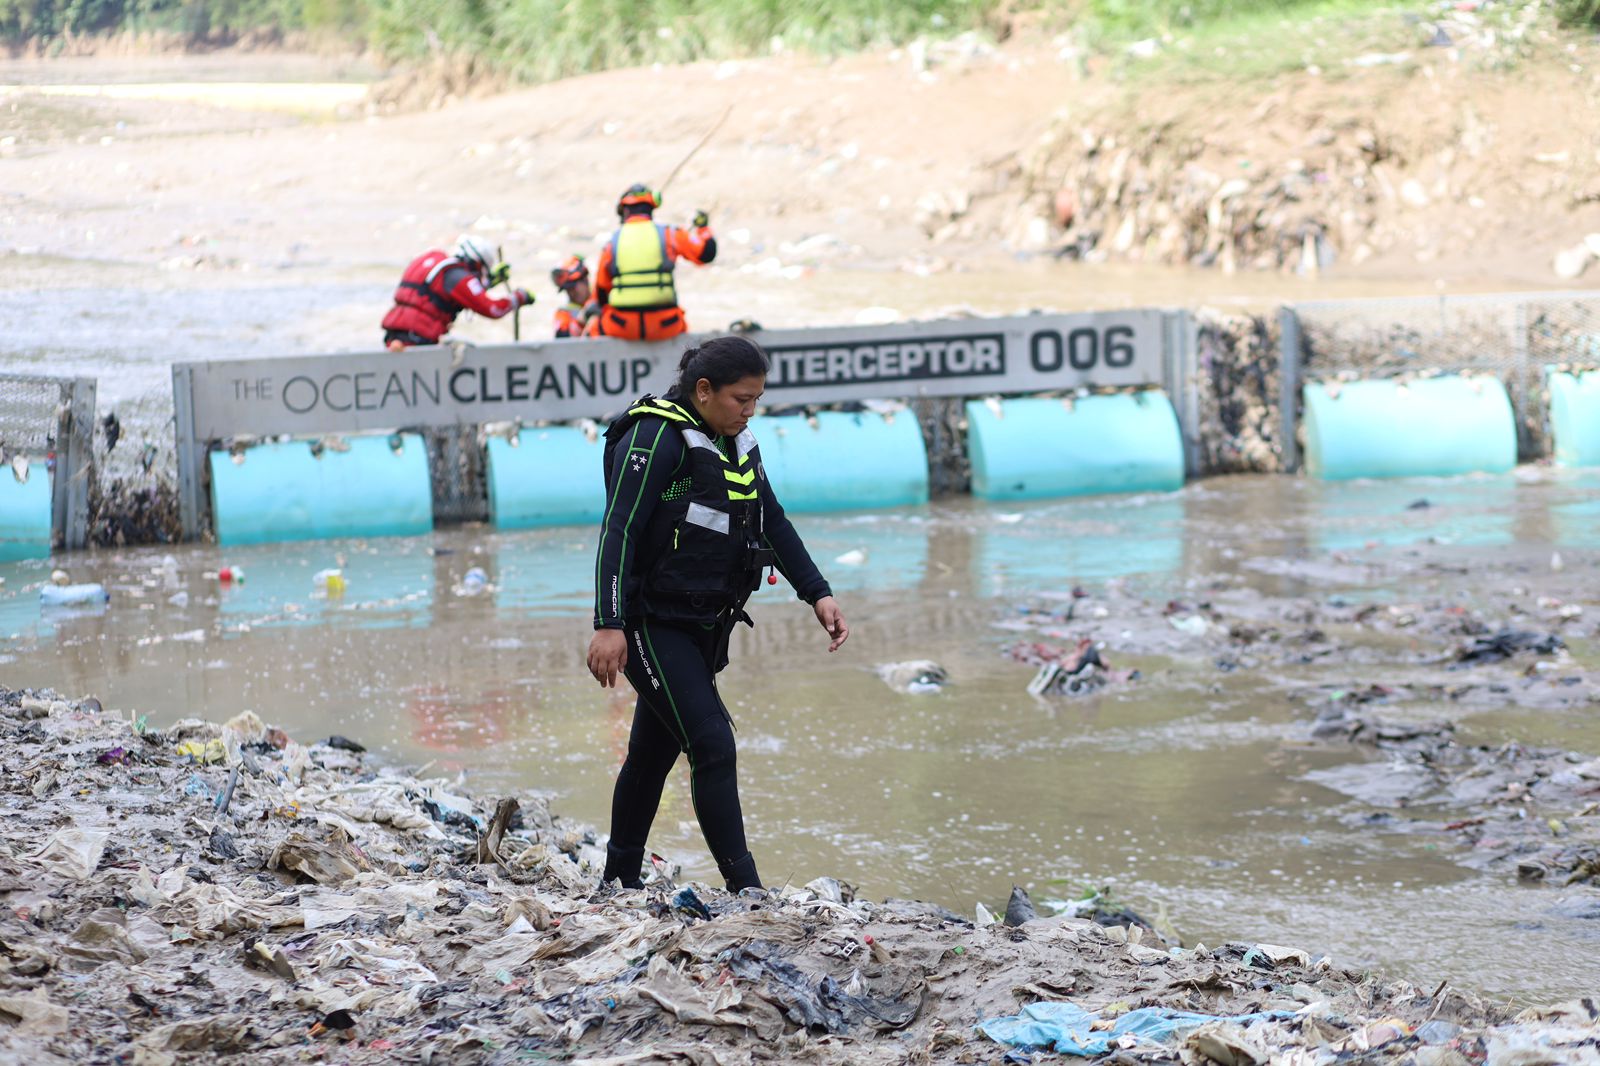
(673, 666)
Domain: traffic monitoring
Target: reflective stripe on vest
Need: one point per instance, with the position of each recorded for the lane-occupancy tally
(738, 473)
(643, 278)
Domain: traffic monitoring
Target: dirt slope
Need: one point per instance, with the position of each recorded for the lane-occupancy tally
(907, 161)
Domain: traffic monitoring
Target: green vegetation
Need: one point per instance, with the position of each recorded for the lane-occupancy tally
(533, 39)
(541, 39)
(1257, 40)
(48, 20)
(537, 40)
(1578, 13)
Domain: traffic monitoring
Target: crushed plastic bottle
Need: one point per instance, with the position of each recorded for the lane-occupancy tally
(474, 581)
(72, 595)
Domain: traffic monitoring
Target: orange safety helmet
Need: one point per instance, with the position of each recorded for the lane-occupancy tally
(638, 195)
(570, 273)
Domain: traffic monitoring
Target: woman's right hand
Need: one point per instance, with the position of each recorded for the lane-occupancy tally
(608, 654)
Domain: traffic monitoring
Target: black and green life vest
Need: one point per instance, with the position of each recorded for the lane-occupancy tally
(703, 550)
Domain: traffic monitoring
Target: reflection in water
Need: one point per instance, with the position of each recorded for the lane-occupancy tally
(1058, 544)
(19, 609)
(1576, 521)
(1470, 511)
(386, 583)
(861, 553)
(1180, 788)
(543, 572)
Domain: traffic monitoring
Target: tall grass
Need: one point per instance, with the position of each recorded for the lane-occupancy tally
(543, 39)
(537, 40)
(530, 39)
(1578, 13)
(48, 20)
(1247, 40)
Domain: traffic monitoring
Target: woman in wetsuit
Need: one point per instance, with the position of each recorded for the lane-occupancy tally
(691, 527)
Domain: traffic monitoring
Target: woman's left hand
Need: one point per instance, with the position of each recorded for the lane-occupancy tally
(832, 620)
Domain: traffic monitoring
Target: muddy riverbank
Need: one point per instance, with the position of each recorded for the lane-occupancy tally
(955, 795)
(206, 890)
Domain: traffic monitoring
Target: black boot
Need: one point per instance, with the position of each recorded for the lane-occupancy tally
(622, 864)
(740, 873)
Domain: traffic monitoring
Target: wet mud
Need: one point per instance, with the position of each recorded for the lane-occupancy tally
(214, 890)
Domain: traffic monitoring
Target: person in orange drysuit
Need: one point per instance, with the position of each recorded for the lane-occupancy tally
(438, 285)
(633, 278)
(581, 316)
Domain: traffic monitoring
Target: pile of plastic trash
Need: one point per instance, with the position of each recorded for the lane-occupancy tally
(213, 890)
(1510, 806)
(1074, 671)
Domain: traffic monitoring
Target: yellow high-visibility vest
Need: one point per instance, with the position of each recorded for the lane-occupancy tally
(643, 279)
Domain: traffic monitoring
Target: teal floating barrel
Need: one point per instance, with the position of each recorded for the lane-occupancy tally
(1037, 448)
(1575, 416)
(282, 491)
(839, 461)
(1429, 428)
(25, 512)
(550, 477)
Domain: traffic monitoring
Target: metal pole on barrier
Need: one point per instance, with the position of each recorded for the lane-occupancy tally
(1524, 396)
(59, 506)
(1179, 377)
(188, 452)
(1289, 386)
(73, 447)
(77, 462)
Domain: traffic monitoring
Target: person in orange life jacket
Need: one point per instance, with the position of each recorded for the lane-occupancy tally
(690, 525)
(579, 317)
(439, 285)
(633, 278)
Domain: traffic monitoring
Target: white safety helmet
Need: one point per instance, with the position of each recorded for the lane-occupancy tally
(472, 250)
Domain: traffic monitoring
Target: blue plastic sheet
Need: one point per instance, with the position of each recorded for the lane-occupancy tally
(1069, 1029)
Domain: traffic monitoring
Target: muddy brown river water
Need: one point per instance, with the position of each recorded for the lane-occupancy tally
(1185, 789)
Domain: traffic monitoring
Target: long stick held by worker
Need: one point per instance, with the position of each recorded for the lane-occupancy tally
(701, 143)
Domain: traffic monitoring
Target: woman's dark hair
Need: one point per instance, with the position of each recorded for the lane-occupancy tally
(721, 361)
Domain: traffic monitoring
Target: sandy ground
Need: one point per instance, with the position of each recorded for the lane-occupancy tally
(845, 167)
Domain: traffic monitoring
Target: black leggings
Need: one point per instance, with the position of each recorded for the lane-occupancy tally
(673, 669)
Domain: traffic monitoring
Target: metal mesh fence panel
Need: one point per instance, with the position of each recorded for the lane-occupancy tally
(456, 468)
(30, 414)
(1237, 378)
(944, 435)
(1511, 337)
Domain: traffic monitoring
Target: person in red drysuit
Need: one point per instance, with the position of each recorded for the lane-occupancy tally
(439, 285)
